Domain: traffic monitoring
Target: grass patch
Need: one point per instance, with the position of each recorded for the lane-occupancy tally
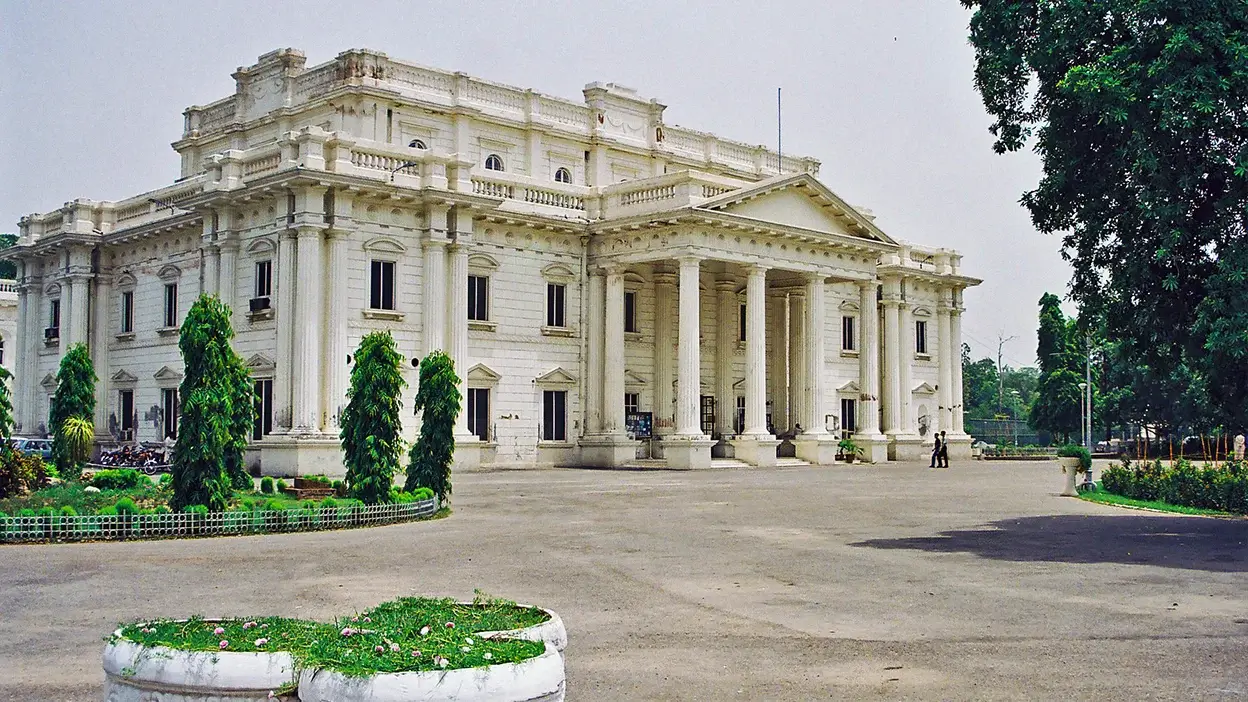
(403, 635)
(1108, 498)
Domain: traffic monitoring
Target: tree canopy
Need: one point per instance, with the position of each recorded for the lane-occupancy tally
(1139, 112)
(371, 424)
(74, 397)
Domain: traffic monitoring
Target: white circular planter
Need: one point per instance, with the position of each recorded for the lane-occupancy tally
(137, 673)
(1070, 466)
(551, 631)
(539, 679)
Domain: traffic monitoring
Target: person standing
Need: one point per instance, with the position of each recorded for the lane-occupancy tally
(943, 460)
(936, 452)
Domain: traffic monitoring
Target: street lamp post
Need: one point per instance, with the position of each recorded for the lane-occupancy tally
(1083, 408)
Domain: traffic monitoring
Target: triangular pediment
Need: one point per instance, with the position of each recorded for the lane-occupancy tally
(557, 376)
(797, 201)
(482, 373)
(261, 363)
(923, 389)
(122, 376)
(631, 379)
(851, 387)
(49, 383)
(167, 375)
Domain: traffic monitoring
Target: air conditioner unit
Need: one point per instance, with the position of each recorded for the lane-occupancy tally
(52, 333)
(260, 303)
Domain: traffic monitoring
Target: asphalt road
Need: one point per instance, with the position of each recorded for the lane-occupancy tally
(897, 582)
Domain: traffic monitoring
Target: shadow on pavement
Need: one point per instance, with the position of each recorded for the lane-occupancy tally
(1216, 545)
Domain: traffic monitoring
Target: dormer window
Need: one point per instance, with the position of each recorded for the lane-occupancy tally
(493, 163)
(563, 175)
(417, 144)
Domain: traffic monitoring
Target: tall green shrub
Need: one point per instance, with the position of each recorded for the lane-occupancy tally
(6, 408)
(210, 430)
(75, 397)
(370, 422)
(437, 401)
(242, 421)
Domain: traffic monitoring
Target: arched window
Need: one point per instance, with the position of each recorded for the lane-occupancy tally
(493, 163)
(563, 175)
(417, 144)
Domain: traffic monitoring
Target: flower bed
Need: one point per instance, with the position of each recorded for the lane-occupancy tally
(34, 526)
(1223, 488)
(407, 645)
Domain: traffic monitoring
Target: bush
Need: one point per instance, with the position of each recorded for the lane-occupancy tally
(437, 402)
(20, 473)
(1080, 452)
(162, 509)
(109, 511)
(27, 512)
(1209, 487)
(329, 503)
(126, 506)
(281, 485)
(266, 485)
(69, 511)
(371, 426)
(166, 479)
(275, 506)
(118, 479)
(201, 510)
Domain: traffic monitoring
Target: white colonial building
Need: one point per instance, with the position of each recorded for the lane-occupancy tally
(583, 263)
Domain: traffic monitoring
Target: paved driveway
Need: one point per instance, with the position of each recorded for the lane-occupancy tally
(899, 582)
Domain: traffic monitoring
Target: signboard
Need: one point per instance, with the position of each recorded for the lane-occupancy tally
(639, 425)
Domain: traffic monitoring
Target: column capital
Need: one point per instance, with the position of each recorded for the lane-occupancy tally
(307, 231)
(815, 276)
(727, 285)
(286, 234)
(665, 279)
(754, 269)
(613, 269)
(690, 260)
(434, 244)
(868, 284)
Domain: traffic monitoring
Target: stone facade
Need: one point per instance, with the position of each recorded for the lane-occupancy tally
(569, 257)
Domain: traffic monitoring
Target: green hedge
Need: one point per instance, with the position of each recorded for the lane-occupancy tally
(1222, 487)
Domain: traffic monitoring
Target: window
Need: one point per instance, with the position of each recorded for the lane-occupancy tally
(554, 415)
(417, 144)
(381, 296)
(493, 163)
(848, 420)
(738, 420)
(169, 400)
(1, 352)
(127, 312)
(630, 312)
(478, 296)
(741, 324)
(126, 401)
(479, 412)
(171, 304)
(847, 333)
(563, 175)
(55, 321)
(264, 278)
(556, 305)
(632, 401)
(920, 337)
(264, 409)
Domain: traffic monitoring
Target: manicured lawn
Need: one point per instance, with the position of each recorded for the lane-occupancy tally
(1109, 498)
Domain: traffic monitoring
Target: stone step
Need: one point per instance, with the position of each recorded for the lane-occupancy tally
(726, 463)
(790, 463)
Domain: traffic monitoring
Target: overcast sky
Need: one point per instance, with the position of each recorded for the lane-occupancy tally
(881, 92)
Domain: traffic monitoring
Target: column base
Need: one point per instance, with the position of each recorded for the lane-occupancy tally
(816, 449)
(608, 450)
(758, 451)
(960, 447)
(290, 456)
(909, 447)
(688, 453)
(467, 456)
(874, 447)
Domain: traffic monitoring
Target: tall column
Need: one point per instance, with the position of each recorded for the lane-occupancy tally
(725, 348)
(945, 391)
(613, 355)
(458, 330)
(687, 424)
(596, 307)
(816, 305)
(284, 372)
(335, 360)
(664, 286)
(31, 339)
(869, 361)
(20, 370)
(67, 319)
(906, 353)
(227, 275)
(797, 362)
(892, 358)
(78, 321)
(307, 395)
(756, 352)
(777, 374)
(211, 259)
(434, 275)
(955, 366)
(101, 332)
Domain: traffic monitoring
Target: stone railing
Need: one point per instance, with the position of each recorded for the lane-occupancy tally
(664, 192)
(8, 285)
(566, 198)
(262, 163)
(740, 156)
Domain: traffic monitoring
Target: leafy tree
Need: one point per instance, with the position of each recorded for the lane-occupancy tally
(6, 408)
(979, 386)
(1052, 337)
(75, 397)
(1059, 401)
(242, 420)
(8, 269)
(1139, 112)
(437, 399)
(370, 422)
(210, 428)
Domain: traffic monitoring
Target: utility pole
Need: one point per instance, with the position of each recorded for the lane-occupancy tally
(1088, 398)
(1001, 342)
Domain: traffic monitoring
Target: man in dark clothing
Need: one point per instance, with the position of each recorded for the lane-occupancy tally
(936, 452)
(943, 461)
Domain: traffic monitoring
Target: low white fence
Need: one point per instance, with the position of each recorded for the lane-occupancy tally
(183, 524)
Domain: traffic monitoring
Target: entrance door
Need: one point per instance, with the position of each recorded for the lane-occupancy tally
(708, 414)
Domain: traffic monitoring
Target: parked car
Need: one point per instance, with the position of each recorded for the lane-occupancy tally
(36, 447)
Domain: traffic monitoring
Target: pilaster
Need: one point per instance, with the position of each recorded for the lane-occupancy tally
(891, 397)
(286, 322)
(596, 308)
(725, 349)
(307, 342)
(101, 332)
(613, 355)
(433, 320)
(777, 374)
(797, 363)
(227, 273)
(457, 329)
(335, 360)
(664, 287)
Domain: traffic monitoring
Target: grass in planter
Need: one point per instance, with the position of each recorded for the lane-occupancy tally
(408, 634)
(1109, 498)
(74, 495)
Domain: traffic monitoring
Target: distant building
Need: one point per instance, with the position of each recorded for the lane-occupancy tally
(580, 261)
